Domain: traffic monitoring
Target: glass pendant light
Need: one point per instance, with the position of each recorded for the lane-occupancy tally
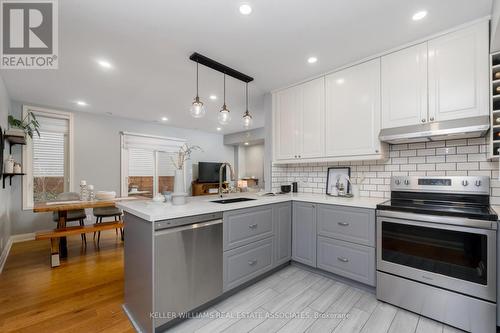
(197, 109)
(224, 115)
(247, 118)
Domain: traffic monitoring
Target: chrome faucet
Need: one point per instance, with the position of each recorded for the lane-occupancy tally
(220, 175)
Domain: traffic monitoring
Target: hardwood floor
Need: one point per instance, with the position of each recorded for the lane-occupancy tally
(85, 294)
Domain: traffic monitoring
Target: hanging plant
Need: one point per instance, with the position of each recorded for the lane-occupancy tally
(29, 124)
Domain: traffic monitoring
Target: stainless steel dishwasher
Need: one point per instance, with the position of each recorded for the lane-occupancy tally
(188, 269)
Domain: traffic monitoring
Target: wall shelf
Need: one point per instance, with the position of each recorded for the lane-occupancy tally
(14, 140)
(10, 175)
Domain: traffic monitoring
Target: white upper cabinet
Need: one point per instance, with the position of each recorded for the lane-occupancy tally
(312, 120)
(458, 74)
(286, 114)
(299, 120)
(353, 110)
(404, 87)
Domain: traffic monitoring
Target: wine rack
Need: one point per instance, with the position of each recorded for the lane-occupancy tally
(495, 105)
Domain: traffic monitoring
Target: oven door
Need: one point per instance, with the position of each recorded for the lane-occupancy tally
(456, 258)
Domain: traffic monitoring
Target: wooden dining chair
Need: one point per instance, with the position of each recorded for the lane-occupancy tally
(75, 215)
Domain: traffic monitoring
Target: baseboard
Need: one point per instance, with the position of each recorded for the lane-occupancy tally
(5, 254)
(22, 237)
(13, 239)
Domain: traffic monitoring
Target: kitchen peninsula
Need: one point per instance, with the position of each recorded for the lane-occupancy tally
(203, 251)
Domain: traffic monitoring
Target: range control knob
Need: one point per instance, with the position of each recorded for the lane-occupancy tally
(407, 182)
(397, 181)
(478, 183)
(465, 183)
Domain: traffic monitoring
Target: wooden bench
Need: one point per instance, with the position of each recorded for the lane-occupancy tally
(55, 234)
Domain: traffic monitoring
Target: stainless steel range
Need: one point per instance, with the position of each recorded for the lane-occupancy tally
(436, 250)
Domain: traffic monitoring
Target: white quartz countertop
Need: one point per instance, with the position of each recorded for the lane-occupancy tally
(156, 211)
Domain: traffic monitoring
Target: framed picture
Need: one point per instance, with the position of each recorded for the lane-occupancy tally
(337, 177)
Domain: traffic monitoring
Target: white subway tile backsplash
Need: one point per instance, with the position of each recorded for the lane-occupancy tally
(439, 158)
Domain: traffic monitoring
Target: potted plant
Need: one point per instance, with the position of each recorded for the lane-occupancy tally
(28, 126)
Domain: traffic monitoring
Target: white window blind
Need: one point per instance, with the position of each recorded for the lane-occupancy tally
(141, 163)
(49, 148)
(48, 154)
(165, 165)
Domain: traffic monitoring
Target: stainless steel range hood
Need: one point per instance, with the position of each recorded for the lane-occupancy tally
(473, 127)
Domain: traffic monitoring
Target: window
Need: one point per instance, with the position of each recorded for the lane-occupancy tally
(47, 159)
(146, 164)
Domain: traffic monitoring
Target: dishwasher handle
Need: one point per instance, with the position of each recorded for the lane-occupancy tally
(187, 227)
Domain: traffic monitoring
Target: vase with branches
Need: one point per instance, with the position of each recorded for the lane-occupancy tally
(179, 161)
(184, 155)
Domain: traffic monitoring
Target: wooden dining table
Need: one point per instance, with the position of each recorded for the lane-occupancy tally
(62, 207)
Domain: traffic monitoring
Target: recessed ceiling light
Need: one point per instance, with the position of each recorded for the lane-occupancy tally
(164, 119)
(419, 15)
(213, 97)
(104, 64)
(81, 103)
(219, 129)
(312, 60)
(340, 81)
(246, 143)
(245, 9)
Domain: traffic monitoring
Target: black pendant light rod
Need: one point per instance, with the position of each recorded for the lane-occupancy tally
(199, 58)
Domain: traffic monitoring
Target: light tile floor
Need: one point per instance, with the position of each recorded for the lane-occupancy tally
(267, 307)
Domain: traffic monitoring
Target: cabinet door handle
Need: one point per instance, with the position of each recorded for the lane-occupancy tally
(252, 262)
(343, 259)
(344, 224)
(252, 226)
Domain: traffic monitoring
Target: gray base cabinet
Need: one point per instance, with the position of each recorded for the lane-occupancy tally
(247, 262)
(304, 233)
(256, 240)
(283, 224)
(244, 226)
(355, 225)
(350, 260)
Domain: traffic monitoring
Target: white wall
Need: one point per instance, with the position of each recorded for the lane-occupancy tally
(97, 157)
(5, 194)
(254, 162)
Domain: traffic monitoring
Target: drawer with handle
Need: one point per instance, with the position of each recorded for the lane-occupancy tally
(247, 262)
(353, 261)
(244, 226)
(356, 225)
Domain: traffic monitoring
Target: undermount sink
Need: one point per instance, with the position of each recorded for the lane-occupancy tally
(232, 200)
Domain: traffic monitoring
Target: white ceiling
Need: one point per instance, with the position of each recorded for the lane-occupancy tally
(149, 43)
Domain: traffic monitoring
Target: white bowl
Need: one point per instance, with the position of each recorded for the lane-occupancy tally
(105, 195)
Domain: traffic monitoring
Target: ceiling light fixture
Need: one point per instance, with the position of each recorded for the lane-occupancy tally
(224, 115)
(213, 97)
(246, 143)
(340, 81)
(104, 64)
(312, 60)
(419, 15)
(81, 103)
(219, 129)
(164, 119)
(197, 109)
(247, 118)
(245, 9)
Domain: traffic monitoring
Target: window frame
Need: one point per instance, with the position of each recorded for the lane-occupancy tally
(124, 160)
(27, 153)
